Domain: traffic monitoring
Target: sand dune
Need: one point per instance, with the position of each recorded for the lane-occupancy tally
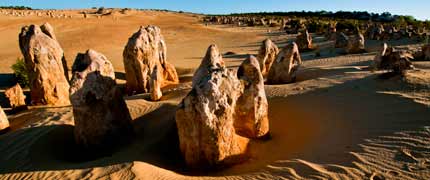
(338, 121)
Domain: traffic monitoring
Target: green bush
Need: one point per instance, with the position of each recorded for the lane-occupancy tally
(21, 73)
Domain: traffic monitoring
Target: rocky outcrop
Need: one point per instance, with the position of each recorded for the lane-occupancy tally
(212, 61)
(205, 117)
(4, 122)
(144, 51)
(393, 60)
(100, 113)
(355, 44)
(304, 41)
(378, 58)
(267, 55)
(341, 40)
(44, 60)
(284, 69)
(16, 97)
(252, 108)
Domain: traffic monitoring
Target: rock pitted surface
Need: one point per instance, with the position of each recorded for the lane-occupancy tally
(144, 51)
(44, 60)
(284, 69)
(252, 108)
(205, 117)
(267, 55)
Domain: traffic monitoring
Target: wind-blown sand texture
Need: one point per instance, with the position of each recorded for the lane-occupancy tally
(338, 121)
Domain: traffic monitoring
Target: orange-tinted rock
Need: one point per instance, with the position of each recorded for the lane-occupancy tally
(252, 108)
(44, 60)
(267, 55)
(146, 49)
(205, 117)
(100, 113)
(4, 122)
(284, 69)
(156, 93)
(16, 97)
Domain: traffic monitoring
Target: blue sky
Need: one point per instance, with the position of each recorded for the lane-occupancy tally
(417, 8)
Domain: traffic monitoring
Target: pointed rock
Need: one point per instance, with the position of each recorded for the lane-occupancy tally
(267, 55)
(284, 69)
(205, 117)
(212, 61)
(100, 113)
(252, 108)
(44, 61)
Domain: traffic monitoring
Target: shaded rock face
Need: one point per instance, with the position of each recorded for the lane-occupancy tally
(16, 97)
(4, 123)
(44, 60)
(252, 108)
(355, 44)
(100, 113)
(267, 55)
(426, 52)
(205, 117)
(144, 51)
(284, 69)
(304, 41)
(331, 33)
(341, 40)
(378, 58)
(393, 60)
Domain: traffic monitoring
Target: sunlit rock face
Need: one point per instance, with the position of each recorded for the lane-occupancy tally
(287, 63)
(205, 117)
(266, 56)
(45, 62)
(252, 108)
(144, 51)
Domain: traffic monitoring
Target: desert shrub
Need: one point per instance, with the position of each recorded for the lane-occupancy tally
(21, 73)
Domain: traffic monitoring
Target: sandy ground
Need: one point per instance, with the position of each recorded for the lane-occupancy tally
(338, 121)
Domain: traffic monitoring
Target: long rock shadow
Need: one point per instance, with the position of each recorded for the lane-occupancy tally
(320, 126)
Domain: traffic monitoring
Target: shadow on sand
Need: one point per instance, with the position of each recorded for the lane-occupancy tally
(320, 126)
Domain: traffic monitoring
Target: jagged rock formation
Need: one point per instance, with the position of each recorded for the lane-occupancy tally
(304, 41)
(355, 44)
(393, 60)
(267, 55)
(205, 117)
(44, 59)
(155, 84)
(252, 107)
(100, 113)
(144, 51)
(284, 69)
(16, 97)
